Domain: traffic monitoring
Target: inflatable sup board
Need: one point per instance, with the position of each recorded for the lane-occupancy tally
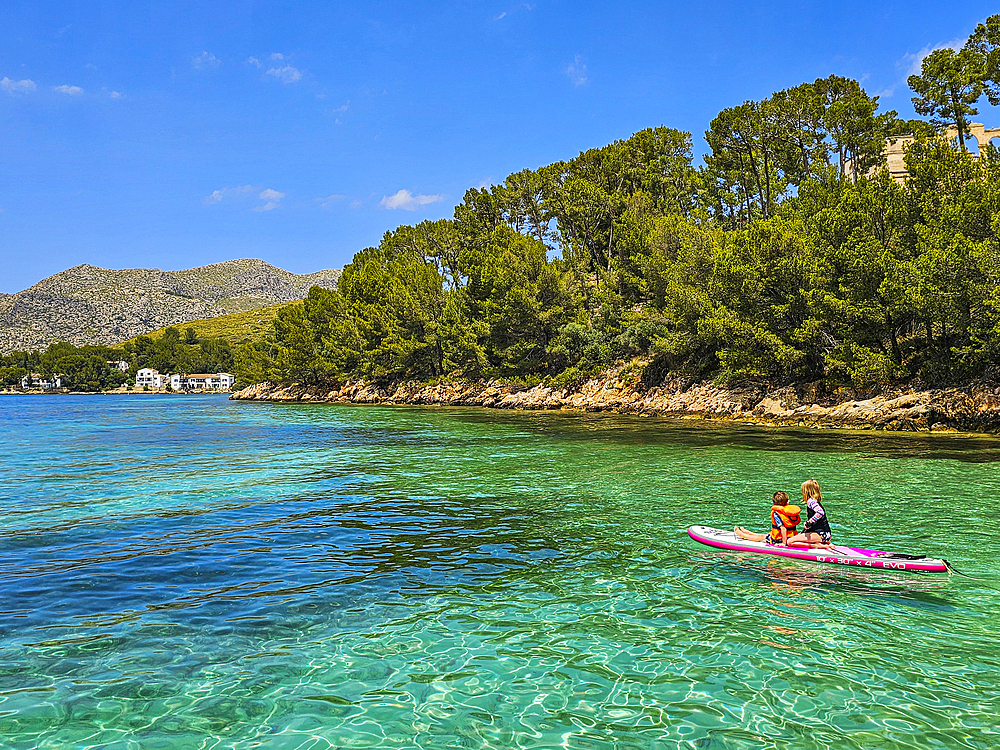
(865, 558)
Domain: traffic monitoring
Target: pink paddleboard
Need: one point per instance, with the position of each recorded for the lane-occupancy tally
(865, 558)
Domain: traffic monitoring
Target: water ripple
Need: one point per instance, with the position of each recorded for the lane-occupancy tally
(192, 572)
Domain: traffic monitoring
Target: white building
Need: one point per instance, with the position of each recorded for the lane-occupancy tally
(220, 381)
(119, 365)
(34, 380)
(150, 378)
(146, 377)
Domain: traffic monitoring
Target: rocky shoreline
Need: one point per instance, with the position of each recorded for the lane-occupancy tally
(111, 392)
(973, 409)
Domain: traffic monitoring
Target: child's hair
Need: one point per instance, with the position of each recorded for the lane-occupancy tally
(780, 498)
(810, 488)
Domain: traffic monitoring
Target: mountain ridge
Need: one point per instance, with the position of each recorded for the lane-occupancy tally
(87, 304)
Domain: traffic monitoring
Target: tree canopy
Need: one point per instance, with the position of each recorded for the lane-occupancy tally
(790, 255)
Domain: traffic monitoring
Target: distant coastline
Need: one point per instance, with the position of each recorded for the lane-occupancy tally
(111, 392)
(974, 409)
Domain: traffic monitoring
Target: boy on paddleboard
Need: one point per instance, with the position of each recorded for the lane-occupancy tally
(784, 519)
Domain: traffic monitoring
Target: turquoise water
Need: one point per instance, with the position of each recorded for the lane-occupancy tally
(195, 573)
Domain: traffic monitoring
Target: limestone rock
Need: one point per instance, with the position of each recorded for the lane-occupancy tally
(976, 409)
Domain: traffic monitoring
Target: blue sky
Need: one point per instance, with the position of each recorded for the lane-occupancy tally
(175, 134)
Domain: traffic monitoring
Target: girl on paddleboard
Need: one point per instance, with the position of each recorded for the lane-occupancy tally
(816, 532)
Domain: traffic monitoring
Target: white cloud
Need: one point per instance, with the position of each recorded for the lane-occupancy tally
(272, 197)
(17, 87)
(577, 71)
(66, 89)
(329, 200)
(405, 200)
(116, 95)
(512, 10)
(253, 61)
(912, 62)
(277, 56)
(356, 203)
(205, 60)
(286, 74)
(228, 192)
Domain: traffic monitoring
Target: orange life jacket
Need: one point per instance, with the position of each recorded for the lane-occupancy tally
(789, 515)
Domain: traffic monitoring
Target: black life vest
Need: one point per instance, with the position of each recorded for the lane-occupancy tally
(823, 524)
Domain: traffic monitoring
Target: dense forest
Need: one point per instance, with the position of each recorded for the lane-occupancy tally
(790, 255)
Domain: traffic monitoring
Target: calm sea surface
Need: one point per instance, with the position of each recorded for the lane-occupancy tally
(195, 573)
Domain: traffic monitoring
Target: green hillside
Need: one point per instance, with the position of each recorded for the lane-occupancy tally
(236, 328)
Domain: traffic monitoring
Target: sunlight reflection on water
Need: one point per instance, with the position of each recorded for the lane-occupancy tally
(193, 572)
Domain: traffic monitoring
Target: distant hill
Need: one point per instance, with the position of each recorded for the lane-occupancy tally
(90, 305)
(236, 328)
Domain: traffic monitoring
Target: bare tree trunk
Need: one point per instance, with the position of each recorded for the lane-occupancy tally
(897, 355)
(956, 111)
(756, 177)
(767, 182)
(743, 184)
(611, 237)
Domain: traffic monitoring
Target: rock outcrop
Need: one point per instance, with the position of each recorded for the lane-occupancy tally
(976, 409)
(90, 305)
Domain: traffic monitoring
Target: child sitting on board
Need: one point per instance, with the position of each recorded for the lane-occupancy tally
(816, 532)
(784, 519)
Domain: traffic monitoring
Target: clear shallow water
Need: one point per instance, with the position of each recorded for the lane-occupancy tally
(195, 573)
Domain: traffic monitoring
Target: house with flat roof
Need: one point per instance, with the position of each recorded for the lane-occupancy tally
(894, 153)
(216, 381)
(34, 380)
(219, 381)
(147, 377)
